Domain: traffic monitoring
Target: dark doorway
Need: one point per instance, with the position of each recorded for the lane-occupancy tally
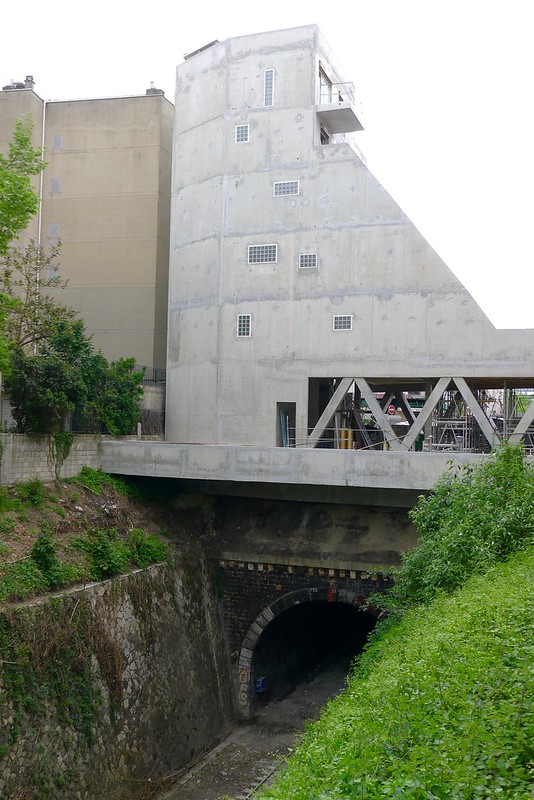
(298, 641)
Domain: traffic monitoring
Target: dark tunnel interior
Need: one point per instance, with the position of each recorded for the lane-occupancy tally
(298, 641)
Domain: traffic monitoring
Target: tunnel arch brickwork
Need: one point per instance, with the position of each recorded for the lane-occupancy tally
(255, 593)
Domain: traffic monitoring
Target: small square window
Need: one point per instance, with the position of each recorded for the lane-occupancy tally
(307, 260)
(55, 186)
(53, 230)
(241, 134)
(342, 322)
(244, 325)
(58, 141)
(268, 87)
(262, 253)
(282, 188)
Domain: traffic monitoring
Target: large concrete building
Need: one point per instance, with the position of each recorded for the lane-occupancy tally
(303, 303)
(105, 193)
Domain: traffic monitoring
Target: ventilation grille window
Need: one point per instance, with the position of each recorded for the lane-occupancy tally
(268, 87)
(343, 322)
(282, 188)
(307, 260)
(241, 134)
(244, 325)
(262, 253)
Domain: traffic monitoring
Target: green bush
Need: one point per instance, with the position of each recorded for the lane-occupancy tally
(468, 522)
(32, 493)
(106, 553)
(43, 552)
(145, 548)
(96, 479)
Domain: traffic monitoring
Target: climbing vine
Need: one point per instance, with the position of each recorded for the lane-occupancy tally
(61, 447)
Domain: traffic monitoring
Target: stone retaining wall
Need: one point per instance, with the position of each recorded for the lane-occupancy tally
(105, 687)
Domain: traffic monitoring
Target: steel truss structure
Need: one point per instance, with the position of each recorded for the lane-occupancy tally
(446, 413)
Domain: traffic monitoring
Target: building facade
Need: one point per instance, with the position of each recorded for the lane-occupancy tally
(303, 303)
(105, 194)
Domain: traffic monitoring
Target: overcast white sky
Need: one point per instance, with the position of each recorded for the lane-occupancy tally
(446, 88)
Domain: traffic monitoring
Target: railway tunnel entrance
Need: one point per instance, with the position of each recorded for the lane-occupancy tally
(292, 645)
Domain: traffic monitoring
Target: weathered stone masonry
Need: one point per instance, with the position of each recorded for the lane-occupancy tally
(252, 589)
(255, 593)
(148, 649)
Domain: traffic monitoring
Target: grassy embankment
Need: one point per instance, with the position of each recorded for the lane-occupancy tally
(83, 529)
(441, 705)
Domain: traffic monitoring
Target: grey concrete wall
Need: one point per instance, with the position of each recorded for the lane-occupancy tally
(155, 665)
(24, 458)
(387, 472)
(411, 317)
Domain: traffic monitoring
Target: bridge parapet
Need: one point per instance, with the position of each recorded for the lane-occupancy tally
(387, 474)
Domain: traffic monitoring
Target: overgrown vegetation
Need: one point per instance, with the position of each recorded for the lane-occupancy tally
(472, 519)
(95, 480)
(47, 662)
(441, 705)
(44, 544)
(64, 373)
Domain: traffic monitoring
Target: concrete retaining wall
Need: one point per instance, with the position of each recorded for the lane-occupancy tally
(121, 682)
(27, 457)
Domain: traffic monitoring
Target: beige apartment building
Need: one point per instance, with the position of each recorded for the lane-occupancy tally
(105, 194)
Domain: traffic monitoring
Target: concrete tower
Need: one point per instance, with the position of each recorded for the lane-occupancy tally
(294, 277)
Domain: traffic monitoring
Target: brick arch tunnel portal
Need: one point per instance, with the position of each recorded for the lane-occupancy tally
(283, 647)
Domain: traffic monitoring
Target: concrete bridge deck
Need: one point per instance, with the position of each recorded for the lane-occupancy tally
(375, 477)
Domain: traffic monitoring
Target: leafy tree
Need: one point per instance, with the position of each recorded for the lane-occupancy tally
(18, 199)
(26, 276)
(66, 373)
(43, 388)
(115, 404)
(6, 306)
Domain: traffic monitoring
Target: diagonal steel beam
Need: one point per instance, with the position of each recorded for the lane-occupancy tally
(523, 424)
(331, 408)
(486, 425)
(381, 418)
(428, 407)
(404, 405)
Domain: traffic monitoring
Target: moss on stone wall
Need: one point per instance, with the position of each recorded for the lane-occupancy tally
(103, 687)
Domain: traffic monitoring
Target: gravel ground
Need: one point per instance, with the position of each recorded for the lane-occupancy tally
(253, 750)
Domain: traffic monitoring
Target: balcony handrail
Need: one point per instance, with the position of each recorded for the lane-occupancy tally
(345, 93)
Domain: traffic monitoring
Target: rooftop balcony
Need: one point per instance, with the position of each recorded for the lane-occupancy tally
(337, 108)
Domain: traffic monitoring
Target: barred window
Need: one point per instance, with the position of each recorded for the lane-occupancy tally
(244, 325)
(281, 188)
(307, 260)
(241, 133)
(342, 322)
(268, 87)
(262, 253)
